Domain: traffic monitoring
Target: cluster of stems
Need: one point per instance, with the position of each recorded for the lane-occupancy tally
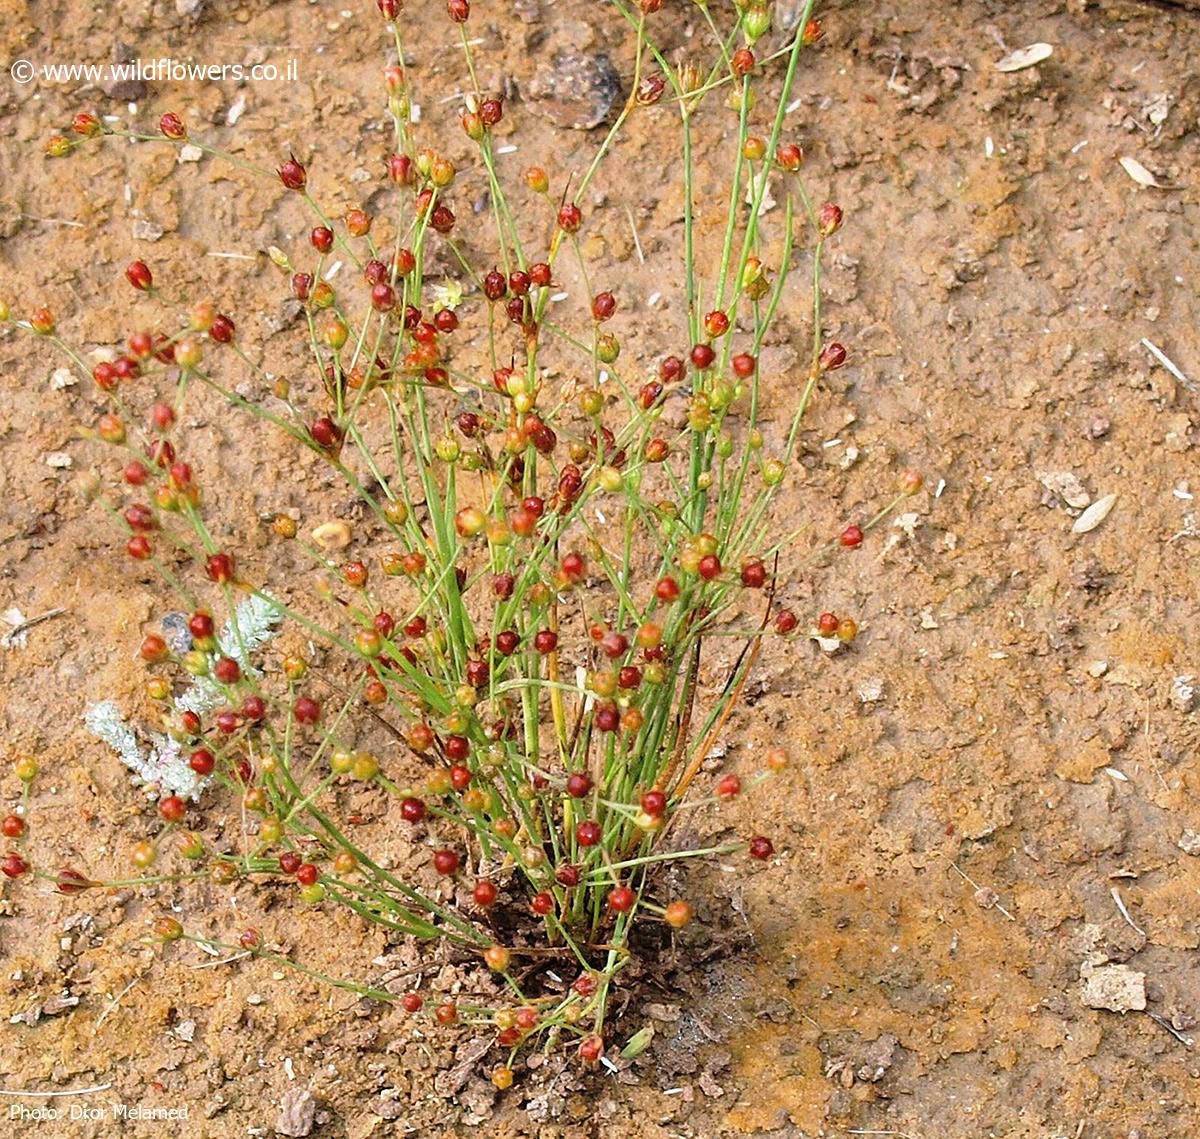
(513, 640)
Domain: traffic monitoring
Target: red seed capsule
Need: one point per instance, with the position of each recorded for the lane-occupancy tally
(219, 568)
(832, 357)
(570, 217)
(138, 547)
(667, 589)
(621, 899)
(709, 567)
(485, 894)
(13, 826)
(729, 787)
(292, 174)
(761, 848)
(139, 276)
(716, 324)
(603, 306)
(222, 329)
(829, 219)
(790, 156)
(654, 803)
(754, 574)
(588, 833)
(578, 785)
(306, 710)
(851, 537)
(412, 810)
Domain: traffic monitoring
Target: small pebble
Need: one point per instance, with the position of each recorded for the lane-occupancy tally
(176, 633)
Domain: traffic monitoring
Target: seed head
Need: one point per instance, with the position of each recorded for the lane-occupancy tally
(829, 219)
(570, 217)
(87, 125)
(650, 90)
(832, 357)
(292, 174)
(790, 156)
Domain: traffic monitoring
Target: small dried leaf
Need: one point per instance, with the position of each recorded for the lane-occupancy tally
(1094, 514)
(1025, 57)
(1138, 172)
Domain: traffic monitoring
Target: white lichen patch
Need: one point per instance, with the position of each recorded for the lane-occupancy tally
(159, 762)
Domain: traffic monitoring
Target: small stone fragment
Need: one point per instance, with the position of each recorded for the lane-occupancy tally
(575, 90)
(122, 85)
(297, 1111)
(870, 691)
(1183, 693)
(1189, 842)
(1116, 988)
(1064, 485)
(877, 1059)
(59, 1004)
(145, 230)
(176, 633)
(986, 897)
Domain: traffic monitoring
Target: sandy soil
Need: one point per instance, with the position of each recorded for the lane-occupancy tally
(1006, 752)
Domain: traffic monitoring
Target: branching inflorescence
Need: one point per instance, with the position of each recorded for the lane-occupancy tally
(522, 615)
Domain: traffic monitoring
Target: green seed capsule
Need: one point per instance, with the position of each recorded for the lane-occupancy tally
(195, 663)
